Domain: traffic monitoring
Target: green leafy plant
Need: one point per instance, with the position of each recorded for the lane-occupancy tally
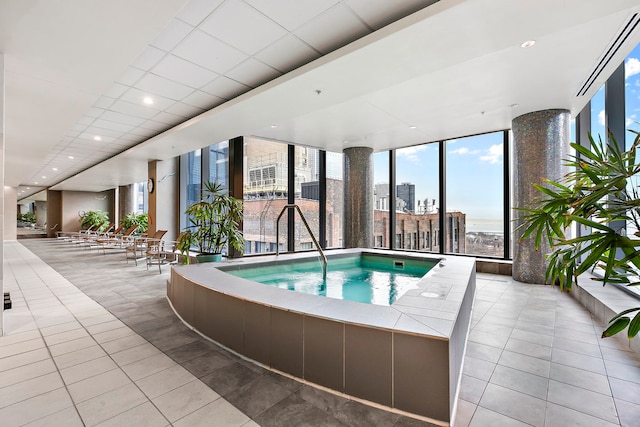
(94, 218)
(28, 217)
(139, 219)
(600, 192)
(213, 223)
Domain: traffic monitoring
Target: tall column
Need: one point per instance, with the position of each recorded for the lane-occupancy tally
(540, 145)
(358, 197)
(126, 200)
(164, 199)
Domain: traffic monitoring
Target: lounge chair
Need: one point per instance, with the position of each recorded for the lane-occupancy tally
(141, 244)
(165, 252)
(117, 241)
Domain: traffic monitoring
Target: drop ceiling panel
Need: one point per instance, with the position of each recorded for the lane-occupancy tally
(220, 57)
(135, 110)
(168, 118)
(106, 124)
(94, 112)
(202, 100)
(242, 27)
(116, 90)
(378, 13)
(292, 13)
(104, 102)
(287, 54)
(195, 11)
(183, 71)
(253, 73)
(148, 58)
(172, 35)
(131, 76)
(184, 110)
(225, 88)
(153, 125)
(114, 116)
(164, 87)
(345, 27)
(136, 96)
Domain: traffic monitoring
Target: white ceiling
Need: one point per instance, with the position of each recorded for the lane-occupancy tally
(219, 69)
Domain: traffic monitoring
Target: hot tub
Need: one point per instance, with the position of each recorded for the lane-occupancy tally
(406, 356)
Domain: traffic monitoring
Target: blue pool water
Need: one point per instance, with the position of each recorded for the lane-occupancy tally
(368, 279)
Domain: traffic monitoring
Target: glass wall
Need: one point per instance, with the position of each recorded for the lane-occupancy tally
(416, 208)
(307, 195)
(381, 234)
(475, 195)
(194, 176)
(335, 200)
(265, 194)
(219, 163)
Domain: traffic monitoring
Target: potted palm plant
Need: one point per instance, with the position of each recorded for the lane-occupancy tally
(213, 225)
(601, 192)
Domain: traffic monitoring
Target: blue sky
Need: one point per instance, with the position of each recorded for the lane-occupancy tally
(474, 164)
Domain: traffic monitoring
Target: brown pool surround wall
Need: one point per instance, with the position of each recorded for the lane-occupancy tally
(406, 356)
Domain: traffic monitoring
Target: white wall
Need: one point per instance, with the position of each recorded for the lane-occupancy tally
(10, 213)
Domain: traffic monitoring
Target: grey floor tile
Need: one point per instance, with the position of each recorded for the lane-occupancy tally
(577, 360)
(164, 381)
(560, 416)
(585, 401)
(27, 389)
(184, 400)
(97, 385)
(110, 404)
(580, 378)
(523, 382)
(487, 418)
(478, 368)
(142, 415)
(628, 413)
(471, 389)
(67, 417)
(529, 348)
(483, 352)
(525, 363)
(356, 414)
(625, 390)
(293, 410)
(229, 378)
(206, 364)
(40, 406)
(513, 404)
(257, 396)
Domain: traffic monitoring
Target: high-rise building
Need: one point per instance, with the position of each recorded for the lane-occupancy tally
(407, 192)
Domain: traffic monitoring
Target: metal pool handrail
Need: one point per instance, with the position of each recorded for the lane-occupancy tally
(315, 242)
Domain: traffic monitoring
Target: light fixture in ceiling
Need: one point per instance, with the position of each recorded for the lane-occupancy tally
(274, 126)
(35, 182)
(412, 127)
(54, 169)
(28, 188)
(147, 100)
(97, 138)
(71, 157)
(528, 43)
(44, 177)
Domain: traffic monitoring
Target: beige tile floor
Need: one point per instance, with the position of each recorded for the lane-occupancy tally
(67, 361)
(534, 358)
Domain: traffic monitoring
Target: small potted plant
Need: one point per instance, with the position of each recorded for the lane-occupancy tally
(213, 225)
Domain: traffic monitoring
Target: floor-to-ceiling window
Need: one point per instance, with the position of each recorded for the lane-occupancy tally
(265, 194)
(417, 186)
(475, 195)
(219, 163)
(382, 234)
(335, 200)
(307, 195)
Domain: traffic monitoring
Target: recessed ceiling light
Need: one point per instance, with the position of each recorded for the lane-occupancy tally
(97, 138)
(54, 169)
(71, 157)
(44, 177)
(528, 43)
(274, 126)
(35, 182)
(147, 100)
(28, 188)
(412, 127)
